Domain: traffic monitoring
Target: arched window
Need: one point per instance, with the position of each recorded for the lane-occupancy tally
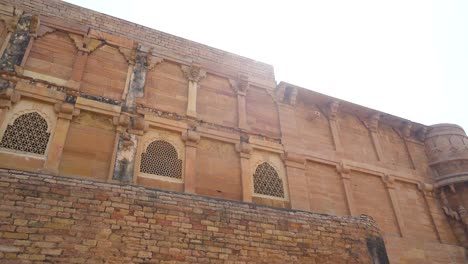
(28, 133)
(161, 159)
(267, 181)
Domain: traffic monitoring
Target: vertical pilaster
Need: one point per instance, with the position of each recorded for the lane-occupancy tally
(18, 43)
(130, 126)
(390, 185)
(191, 138)
(345, 173)
(85, 46)
(373, 126)
(333, 108)
(194, 74)
(405, 134)
(65, 112)
(431, 205)
(244, 149)
(298, 188)
(240, 86)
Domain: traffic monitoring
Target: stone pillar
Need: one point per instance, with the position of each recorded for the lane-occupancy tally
(130, 126)
(373, 126)
(390, 185)
(332, 119)
(240, 86)
(194, 74)
(191, 138)
(244, 149)
(65, 112)
(14, 52)
(298, 188)
(345, 173)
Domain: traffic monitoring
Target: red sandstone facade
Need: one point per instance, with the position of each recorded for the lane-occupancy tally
(98, 99)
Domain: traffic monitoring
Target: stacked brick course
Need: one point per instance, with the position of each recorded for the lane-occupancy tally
(62, 220)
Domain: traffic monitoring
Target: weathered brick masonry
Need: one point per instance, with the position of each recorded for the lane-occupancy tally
(62, 220)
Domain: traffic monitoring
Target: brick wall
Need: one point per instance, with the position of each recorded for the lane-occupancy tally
(61, 220)
(164, 43)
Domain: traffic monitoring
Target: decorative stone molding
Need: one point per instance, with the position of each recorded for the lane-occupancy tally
(139, 126)
(193, 73)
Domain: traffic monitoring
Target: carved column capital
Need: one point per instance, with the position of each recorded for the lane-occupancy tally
(121, 122)
(193, 73)
(240, 85)
(426, 188)
(8, 97)
(372, 122)
(191, 137)
(344, 170)
(389, 181)
(66, 110)
(138, 126)
(332, 109)
(244, 149)
(406, 129)
(294, 159)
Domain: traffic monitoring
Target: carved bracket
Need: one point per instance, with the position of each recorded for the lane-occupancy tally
(66, 110)
(241, 84)
(8, 97)
(244, 149)
(294, 159)
(85, 43)
(389, 181)
(193, 73)
(426, 188)
(332, 109)
(405, 129)
(138, 126)
(372, 122)
(344, 170)
(191, 137)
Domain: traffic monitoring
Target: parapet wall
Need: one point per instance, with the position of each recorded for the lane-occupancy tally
(60, 220)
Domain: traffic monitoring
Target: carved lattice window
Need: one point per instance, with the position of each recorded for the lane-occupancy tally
(28, 133)
(267, 181)
(161, 159)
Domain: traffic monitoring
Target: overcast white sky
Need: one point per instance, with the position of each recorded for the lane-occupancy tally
(408, 58)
